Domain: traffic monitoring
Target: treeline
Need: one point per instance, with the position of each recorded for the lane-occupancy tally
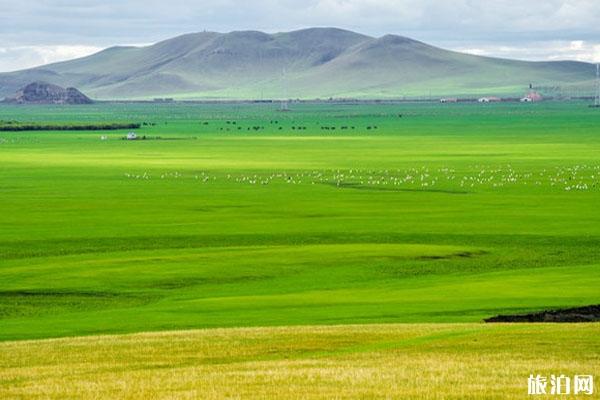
(18, 127)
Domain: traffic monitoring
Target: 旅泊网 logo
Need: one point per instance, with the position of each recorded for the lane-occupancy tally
(560, 385)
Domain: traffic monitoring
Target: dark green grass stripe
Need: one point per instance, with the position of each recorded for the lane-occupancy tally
(60, 247)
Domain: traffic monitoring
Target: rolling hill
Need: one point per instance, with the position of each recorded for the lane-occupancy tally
(310, 63)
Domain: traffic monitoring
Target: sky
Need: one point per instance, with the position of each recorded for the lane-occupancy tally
(37, 32)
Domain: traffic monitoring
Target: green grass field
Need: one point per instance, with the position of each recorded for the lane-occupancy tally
(421, 216)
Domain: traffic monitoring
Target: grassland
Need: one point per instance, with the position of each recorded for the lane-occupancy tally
(242, 216)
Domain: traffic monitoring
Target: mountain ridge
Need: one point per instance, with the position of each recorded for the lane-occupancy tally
(308, 63)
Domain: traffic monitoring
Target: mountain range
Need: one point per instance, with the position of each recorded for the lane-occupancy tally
(310, 63)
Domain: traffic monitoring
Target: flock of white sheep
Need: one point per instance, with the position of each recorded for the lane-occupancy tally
(568, 178)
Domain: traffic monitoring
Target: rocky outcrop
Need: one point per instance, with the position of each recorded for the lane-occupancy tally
(46, 93)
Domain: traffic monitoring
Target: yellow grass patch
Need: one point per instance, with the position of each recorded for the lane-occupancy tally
(424, 361)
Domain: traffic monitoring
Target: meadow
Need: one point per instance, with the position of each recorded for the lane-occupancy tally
(366, 228)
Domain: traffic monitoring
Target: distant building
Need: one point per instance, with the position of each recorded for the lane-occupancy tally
(103, 137)
(490, 100)
(449, 100)
(131, 136)
(532, 97)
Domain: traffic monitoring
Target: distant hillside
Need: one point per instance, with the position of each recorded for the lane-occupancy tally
(319, 62)
(45, 93)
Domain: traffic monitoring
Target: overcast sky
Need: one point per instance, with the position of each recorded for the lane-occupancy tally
(35, 32)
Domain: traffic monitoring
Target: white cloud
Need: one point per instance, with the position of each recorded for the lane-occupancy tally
(19, 57)
(577, 50)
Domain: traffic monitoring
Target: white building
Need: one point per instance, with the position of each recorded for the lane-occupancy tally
(532, 97)
(131, 136)
(489, 100)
